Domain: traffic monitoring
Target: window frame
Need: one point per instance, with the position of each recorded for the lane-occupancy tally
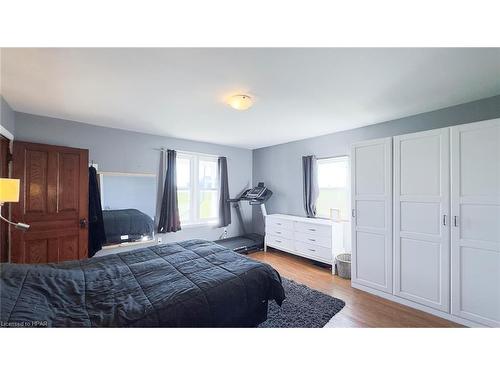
(347, 160)
(194, 189)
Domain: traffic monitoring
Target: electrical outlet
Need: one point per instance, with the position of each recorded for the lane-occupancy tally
(160, 240)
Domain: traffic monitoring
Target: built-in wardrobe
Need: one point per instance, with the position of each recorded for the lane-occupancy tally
(426, 221)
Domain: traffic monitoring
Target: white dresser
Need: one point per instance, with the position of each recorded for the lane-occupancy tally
(316, 239)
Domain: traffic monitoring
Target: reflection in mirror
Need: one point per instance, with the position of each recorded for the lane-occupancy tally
(129, 204)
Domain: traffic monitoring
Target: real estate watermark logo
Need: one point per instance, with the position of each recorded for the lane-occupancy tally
(25, 324)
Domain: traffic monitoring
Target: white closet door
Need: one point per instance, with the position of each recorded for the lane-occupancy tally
(371, 174)
(476, 221)
(421, 218)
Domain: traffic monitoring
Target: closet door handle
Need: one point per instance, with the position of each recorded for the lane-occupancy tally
(444, 220)
(455, 221)
(353, 212)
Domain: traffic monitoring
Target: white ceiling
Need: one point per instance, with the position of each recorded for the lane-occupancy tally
(300, 93)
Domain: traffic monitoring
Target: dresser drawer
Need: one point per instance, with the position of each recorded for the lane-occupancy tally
(279, 242)
(313, 229)
(313, 250)
(276, 230)
(279, 223)
(313, 239)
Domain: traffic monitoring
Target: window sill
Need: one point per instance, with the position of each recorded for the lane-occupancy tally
(212, 224)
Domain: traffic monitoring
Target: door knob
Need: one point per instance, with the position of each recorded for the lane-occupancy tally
(83, 223)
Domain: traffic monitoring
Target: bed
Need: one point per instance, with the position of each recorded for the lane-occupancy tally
(126, 225)
(193, 283)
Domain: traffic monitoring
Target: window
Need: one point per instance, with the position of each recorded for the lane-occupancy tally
(333, 187)
(197, 188)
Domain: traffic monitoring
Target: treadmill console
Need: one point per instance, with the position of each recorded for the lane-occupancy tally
(254, 193)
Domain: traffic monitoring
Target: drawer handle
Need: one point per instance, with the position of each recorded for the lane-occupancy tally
(278, 232)
(278, 241)
(312, 229)
(311, 249)
(278, 223)
(312, 239)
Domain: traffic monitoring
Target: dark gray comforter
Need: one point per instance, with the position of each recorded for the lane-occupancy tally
(193, 283)
(130, 222)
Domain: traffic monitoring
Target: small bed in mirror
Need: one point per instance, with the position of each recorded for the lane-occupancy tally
(129, 204)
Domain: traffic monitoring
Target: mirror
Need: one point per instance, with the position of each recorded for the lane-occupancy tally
(129, 204)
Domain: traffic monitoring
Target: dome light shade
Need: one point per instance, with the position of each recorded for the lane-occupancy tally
(240, 102)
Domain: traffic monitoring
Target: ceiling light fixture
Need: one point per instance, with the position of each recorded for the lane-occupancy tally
(240, 102)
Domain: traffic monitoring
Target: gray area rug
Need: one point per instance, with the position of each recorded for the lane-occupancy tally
(303, 308)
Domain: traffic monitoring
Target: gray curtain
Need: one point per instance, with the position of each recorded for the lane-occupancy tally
(169, 214)
(162, 172)
(311, 187)
(224, 205)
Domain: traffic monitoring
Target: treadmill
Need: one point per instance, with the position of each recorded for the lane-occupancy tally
(256, 196)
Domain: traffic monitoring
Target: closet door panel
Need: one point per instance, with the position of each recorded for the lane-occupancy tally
(371, 175)
(419, 267)
(476, 222)
(421, 218)
(371, 214)
(371, 259)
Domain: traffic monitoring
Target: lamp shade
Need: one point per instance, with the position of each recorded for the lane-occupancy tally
(9, 190)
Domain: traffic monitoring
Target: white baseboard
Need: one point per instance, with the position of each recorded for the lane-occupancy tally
(418, 306)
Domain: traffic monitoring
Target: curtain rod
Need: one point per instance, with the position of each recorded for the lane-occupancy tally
(188, 152)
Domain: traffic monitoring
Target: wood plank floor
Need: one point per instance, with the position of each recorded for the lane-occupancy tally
(362, 309)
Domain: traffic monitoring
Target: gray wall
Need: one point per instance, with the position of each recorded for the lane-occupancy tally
(280, 166)
(7, 116)
(123, 151)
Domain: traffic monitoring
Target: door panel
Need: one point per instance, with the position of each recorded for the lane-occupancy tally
(475, 232)
(53, 201)
(480, 282)
(370, 214)
(68, 182)
(370, 170)
(421, 218)
(420, 267)
(372, 210)
(68, 247)
(36, 181)
(371, 259)
(37, 251)
(418, 157)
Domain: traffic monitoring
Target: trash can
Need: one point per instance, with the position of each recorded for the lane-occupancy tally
(343, 262)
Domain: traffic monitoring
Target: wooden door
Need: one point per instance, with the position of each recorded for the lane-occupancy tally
(53, 201)
(4, 173)
(421, 218)
(475, 239)
(371, 198)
